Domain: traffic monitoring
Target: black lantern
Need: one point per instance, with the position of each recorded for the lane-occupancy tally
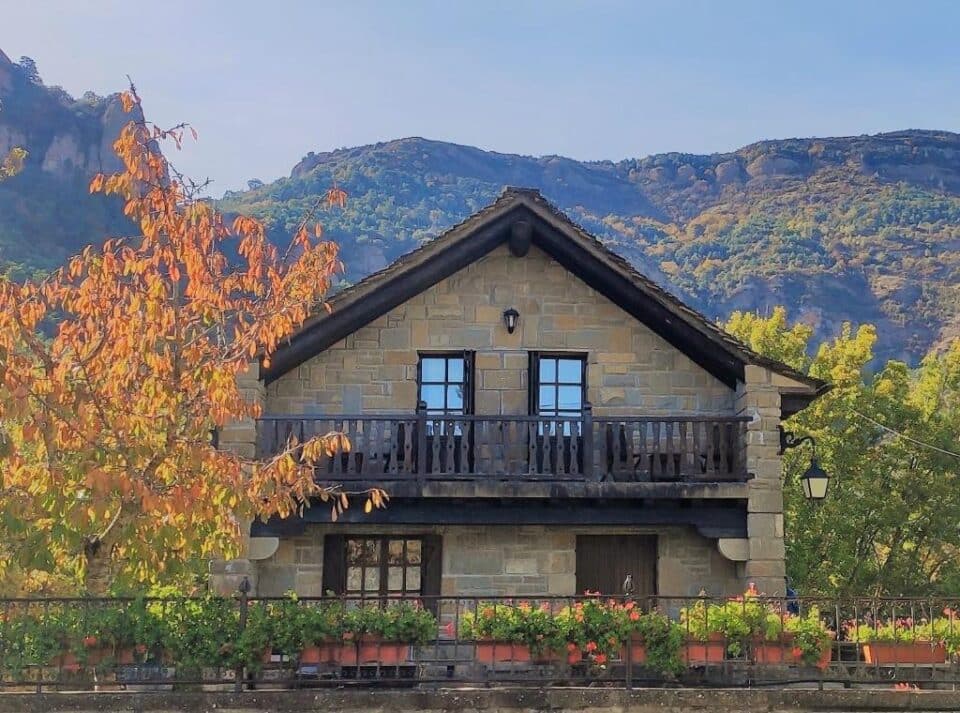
(815, 481)
(510, 318)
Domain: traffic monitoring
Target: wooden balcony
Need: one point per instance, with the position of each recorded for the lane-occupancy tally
(423, 449)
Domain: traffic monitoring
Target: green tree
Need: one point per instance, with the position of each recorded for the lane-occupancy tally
(891, 521)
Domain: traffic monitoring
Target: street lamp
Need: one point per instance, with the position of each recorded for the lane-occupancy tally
(815, 480)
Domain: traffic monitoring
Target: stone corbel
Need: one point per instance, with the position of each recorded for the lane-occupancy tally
(261, 548)
(735, 549)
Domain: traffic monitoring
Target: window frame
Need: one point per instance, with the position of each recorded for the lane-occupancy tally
(468, 358)
(534, 383)
(383, 566)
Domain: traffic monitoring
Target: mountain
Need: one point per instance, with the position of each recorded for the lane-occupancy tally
(46, 212)
(863, 228)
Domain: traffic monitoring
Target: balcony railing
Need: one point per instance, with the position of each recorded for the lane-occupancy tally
(428, 447)
(241, 642)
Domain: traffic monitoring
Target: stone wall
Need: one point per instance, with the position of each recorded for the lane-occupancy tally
(507, 561)
(630, 368)
(519, 699)
(759, 397)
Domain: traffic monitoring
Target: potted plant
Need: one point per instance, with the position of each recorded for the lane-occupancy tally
(199, 635)
(787, 638)
(714, 630)
(653, 640)
(383, 634)
(504, 632)
(593, 630)
(902, 641)
(321, 628)
(27, 641)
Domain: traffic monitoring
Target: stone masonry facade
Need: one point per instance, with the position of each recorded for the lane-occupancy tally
(630, 369)
(510, 560)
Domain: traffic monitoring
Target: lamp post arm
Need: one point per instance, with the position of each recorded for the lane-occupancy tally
(789, 440)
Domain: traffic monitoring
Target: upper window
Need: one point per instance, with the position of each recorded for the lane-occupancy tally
(559, 384)
(444, 383)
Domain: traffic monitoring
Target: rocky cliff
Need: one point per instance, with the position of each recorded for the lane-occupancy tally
(46, 212)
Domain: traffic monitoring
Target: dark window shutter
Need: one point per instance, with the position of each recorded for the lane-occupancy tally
(334, 564)
(533, 382)
(468, 367)
(431, 571)
(419, 381)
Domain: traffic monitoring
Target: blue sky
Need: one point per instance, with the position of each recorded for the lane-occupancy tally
(265, 82)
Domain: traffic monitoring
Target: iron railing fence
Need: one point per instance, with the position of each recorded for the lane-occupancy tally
(427, 447)
(353, 640)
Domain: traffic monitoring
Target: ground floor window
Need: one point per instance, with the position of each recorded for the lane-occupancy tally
(382, 565)
(605, 561)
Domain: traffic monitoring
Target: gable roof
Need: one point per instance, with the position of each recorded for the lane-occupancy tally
(521, 217)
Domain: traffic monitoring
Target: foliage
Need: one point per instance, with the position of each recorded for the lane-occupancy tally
(810, 635)
(889, 438)
(907, 630)
(846, 234)
(662, 638)
(522, 623)
(403, 622)
(12, 163)
(597, 628)
(108, 468)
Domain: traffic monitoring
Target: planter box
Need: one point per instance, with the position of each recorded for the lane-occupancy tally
(698, 653)
(371, 650)
(68, 661)
(328, 652)
(785, 652)
(491, 652)
(637, 651)
(887, 653)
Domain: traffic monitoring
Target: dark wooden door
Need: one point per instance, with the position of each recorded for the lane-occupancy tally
(604, 561)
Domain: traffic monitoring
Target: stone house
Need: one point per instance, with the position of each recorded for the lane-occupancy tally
(545, 419)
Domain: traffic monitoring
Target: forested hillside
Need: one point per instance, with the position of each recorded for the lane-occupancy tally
(859, 228)
(863, 228)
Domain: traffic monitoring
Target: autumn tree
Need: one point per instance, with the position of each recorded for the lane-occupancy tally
(889, 436)
(116, 369)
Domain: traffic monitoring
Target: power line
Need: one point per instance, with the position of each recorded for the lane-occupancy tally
(905, 437)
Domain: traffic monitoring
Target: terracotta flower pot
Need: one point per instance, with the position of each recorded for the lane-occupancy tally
(637, 651)
(785, 652)
(490, 652)
(781, 651)
(887, 653)
(373, 650)
(326, 652)
(68, 660)
(697, 653)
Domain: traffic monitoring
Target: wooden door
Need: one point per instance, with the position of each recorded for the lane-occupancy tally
(604, 561)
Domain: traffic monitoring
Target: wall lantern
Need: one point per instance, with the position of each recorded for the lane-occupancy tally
(510, 318)
(815, 480)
